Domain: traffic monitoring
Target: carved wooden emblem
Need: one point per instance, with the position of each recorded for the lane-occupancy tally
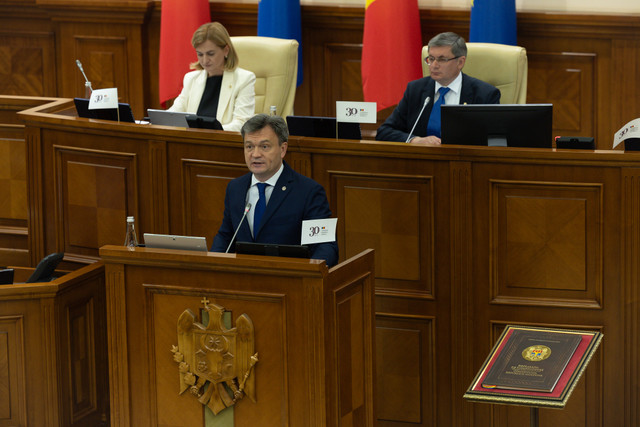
(214, 362)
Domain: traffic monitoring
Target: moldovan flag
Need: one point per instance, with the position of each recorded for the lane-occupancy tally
(391, 50)
(179, 19)
(281, 19)
(493, 21)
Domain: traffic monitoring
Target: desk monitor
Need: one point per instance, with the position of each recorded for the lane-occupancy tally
(203, 122)
(322, 127)
(498, 125)
(168, 118)
(168, 241)
(82, 108)
(576, 142)
(272, 249)
(6, 276)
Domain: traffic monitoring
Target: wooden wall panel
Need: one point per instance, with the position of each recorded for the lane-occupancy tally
(204, 184)
(630, 280)
(84, 381)
(461, 283)
(624, 81)
(576, 84)
(405, 355)
(329, 59)
(393, 214)
(194, 176)
(13, 181)
(94, 194)
(343, 79)
(547, 240)
(81, 318)
(105, 60)
(353, 345)
(13, 402)
(14, 247)
(567, 80)
(108, 40)
(27, 63)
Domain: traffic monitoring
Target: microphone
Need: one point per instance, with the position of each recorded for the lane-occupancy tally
(426, 101)
(86, 80)
(246, 210)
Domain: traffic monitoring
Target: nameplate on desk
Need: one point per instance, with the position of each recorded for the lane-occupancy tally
(356, 112)
(103, 98)
(318, 231)
(630, 130)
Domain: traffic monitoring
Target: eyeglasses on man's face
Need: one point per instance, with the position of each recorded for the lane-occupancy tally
(441, 60)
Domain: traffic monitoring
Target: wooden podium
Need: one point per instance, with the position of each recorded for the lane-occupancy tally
(313, 328)
(53, 351)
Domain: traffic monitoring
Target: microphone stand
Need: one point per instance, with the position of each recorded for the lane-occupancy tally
(426, 101)
(246, 210)
(87, 84)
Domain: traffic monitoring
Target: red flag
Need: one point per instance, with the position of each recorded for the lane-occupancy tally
(391, 50)
(179, 19)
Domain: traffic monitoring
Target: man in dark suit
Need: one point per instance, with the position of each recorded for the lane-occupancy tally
(446, 84)
(289, 198)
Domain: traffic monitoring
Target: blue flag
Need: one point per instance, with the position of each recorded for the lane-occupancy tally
(281, 19)
(493, 21)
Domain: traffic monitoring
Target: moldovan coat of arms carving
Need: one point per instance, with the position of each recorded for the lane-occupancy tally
(215, 363)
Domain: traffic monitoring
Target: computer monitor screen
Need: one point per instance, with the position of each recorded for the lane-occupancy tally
(322, 127)
(168, 118)
(500, 125)
(122, 113)
(169, 241)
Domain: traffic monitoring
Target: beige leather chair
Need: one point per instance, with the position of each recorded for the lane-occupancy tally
(275, 64)
(501, 65)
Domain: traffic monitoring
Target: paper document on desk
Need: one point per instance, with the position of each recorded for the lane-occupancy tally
(103, 98)
(318, 231)
(630, 130)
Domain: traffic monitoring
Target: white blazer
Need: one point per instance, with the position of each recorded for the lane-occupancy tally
(237, 102)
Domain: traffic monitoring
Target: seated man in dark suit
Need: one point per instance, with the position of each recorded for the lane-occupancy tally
(446, 84)
(290, 198)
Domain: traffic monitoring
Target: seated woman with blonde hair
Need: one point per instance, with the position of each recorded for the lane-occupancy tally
(218, 87)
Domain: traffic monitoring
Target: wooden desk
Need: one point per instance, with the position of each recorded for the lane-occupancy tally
(467, 240)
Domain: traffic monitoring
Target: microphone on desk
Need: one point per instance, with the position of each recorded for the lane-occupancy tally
(426, 101)
(87, 83)
(246, 210)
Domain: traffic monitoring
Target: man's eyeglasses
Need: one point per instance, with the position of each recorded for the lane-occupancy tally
(432, 60)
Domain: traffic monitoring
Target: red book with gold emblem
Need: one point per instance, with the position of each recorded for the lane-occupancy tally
(532, 360)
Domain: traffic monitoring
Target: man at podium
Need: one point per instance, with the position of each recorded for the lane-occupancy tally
(273, 197)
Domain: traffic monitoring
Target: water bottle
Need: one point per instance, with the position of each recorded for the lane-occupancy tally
(131, 238)
(272, 111)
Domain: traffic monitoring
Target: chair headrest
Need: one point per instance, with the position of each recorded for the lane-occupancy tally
(46, 267)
